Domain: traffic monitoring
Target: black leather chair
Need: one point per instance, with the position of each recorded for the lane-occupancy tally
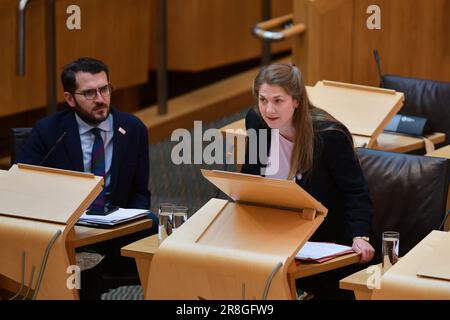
(18, 137)
(424, 98)
(409, 194)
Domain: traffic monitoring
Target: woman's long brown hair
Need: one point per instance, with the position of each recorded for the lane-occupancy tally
(290, 79)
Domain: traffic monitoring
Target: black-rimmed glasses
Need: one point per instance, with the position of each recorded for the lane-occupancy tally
(91, 94)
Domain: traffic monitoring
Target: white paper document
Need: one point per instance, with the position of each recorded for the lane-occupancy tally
(321, 251)
(116, 217)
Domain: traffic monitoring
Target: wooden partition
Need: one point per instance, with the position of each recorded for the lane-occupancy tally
(115, 31)
(208, 34)
(19, 94)
(338, 45)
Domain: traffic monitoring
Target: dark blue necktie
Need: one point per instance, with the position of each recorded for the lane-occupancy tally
(98, 168)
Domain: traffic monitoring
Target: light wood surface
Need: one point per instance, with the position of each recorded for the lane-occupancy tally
(443, 152)
(261, 191)
(38, 209)
(402, 143)
(143, 250)
(31, 237)
(224, 246)
(28, 185)
(30, 188)
(363, 110)
(401, 281)
(357, 282)
(83, 235)
(303, 270)
(386, 141)
(437, 266)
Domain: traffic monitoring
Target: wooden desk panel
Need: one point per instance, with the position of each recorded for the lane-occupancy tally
(386, 141)
(401, 280)
(143, 250)
(81, 236)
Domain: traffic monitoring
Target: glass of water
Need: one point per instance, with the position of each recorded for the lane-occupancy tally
(391, 241)
(164, 220)
(179, 216)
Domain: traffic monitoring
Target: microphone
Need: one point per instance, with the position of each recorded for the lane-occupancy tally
(53, 148)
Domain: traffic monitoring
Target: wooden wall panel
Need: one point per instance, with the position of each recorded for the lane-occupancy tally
(281, 8)
(324, 51)
(18, 94)
(206, 34)
(115, 31)
(413, 40)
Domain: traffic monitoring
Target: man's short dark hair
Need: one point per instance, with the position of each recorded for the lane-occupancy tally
(89, 65)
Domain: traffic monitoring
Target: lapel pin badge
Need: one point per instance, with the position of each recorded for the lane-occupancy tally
(122, 130)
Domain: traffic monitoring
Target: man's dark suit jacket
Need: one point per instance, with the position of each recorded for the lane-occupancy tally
(336, 180)
(130, 159)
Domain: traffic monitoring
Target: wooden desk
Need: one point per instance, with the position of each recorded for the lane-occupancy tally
(143, 250)
(402, 143)
(401, 280)
(82, 236)
(357, 282)
(386, 141)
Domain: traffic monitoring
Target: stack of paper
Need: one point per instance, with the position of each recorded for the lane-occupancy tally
(321, 251)
(119, 216)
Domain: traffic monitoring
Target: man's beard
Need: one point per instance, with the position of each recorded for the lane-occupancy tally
(88, 118)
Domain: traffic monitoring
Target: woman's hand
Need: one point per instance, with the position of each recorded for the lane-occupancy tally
(364, 248)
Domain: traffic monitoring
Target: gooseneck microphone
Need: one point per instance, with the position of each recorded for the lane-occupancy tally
(53, 148)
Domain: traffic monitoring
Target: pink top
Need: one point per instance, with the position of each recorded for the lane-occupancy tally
(279, 161)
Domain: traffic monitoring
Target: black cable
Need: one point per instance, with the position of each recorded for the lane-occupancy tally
(377, 62)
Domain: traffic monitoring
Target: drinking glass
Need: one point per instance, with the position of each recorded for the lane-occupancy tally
(391, 241)
(179, 216)
(164, 220)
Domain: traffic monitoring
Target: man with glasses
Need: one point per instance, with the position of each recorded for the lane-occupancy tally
(92, 136)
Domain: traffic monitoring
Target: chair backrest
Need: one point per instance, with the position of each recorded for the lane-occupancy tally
(409, 194)
(18, 138)
(424, 98)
